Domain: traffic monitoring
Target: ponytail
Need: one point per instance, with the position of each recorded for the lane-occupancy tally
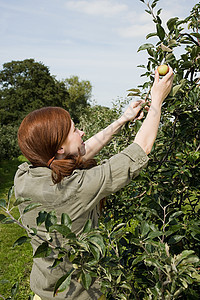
(64, 167)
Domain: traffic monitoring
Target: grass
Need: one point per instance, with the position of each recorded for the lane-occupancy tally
(15, 263)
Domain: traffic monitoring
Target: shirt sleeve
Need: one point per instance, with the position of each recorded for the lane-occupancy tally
(100, 181)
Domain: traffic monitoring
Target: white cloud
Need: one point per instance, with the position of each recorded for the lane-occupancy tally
(106, 8)
(136, 30)
(137, 25)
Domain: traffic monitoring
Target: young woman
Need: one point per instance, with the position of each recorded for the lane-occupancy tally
(62, 176)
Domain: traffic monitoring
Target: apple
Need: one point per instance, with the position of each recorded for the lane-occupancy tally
(163, 70)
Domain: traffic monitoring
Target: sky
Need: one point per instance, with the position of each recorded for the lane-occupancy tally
(96, 40)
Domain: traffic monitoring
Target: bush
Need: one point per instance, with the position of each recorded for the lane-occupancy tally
(9, 146)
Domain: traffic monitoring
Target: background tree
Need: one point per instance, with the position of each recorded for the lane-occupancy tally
(27, 85)
(79, 96)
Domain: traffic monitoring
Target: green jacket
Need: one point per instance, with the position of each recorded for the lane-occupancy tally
(78, 195)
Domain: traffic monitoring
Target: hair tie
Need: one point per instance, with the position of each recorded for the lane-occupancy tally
(50, 161)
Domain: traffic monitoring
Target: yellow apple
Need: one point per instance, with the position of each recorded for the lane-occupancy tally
(163, 70)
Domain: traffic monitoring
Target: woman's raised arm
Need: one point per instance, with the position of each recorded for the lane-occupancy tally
(94, 144)
(146, 136)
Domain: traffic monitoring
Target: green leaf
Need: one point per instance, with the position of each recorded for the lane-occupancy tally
(171, 22)
(88, 226)
(119, 279)
(136, 242)
(57, 261)
(175, 89)
(10, 192)
(84, 245)
(21, 240)
(134, 90)
(43, 250)
(72, 257)
(63, 283)
(175, 215)
(151, 34)
(118, 226)
(7, 220)
(153, 262)
(41, 217)
(31, 207)
(33, 231)
(186, 65)
(133, 94)
(159, 11)
(2, 203)
(65, 220)
(51, 219)
(145, 46)
(160, 32)
(2, 217)
(14, 289)
(153, 234)
(95, 251)
(165, 48)
(21, 200)
(186, 253)
(144, 228)
(71, 236)
(62, 229)
(86, 280)
(97, 240)
(154, 4)
(148, 11)
(138, 259)
(175, 239)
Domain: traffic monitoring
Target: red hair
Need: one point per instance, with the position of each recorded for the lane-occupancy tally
(41, 134)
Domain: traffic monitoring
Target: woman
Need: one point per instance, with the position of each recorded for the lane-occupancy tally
(63, 177)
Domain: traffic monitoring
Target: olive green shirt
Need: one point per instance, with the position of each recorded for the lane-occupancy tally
(78, 195)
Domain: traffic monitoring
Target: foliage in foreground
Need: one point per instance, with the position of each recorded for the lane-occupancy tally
(123, 256)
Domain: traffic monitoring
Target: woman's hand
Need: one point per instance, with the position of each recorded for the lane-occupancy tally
(133, 112)
(161, 88)
(146, 136)
(94, 144)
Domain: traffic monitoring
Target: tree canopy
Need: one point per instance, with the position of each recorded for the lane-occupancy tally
(79, 96)
(25, 86)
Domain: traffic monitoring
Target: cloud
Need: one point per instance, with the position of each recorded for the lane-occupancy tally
(138, 24)
(136, 30)
(106, 8)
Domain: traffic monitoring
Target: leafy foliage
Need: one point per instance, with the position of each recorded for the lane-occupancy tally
(8, 146)
(25, 86)
(79, 96)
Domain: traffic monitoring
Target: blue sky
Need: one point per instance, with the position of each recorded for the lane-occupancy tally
(96, 40)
